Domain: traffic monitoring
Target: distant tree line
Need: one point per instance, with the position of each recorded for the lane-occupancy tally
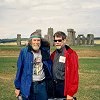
(7, 40)
(25, 39)
(97, 38)
(11, 40)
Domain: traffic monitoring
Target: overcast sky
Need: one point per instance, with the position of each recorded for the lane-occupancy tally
(25, 16)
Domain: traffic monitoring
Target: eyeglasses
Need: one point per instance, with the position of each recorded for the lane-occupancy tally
(58, 40)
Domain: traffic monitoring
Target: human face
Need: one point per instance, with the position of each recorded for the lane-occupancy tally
(59, 42)
(36, 42)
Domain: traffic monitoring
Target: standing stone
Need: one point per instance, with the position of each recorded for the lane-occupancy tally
(50, 36)
(46, 37)
(71, 36)
(18, 39)
(81, 40)
(90, 39)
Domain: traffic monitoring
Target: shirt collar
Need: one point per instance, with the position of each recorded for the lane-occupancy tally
(60, 50)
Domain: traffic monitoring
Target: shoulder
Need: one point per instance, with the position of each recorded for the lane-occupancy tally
(71, 54)
(69, 50)
(24, 48)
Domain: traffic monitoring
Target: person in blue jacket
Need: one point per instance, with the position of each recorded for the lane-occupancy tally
(33, 69)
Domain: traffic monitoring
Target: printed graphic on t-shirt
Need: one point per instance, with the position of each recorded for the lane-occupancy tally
(37, 66)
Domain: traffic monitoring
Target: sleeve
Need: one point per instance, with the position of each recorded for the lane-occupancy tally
(17, 81)
(73, 74)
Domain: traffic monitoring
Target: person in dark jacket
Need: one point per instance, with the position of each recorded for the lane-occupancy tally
(33, 69)
(65, 68)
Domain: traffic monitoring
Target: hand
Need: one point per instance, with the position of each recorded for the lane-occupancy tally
(69, 97)
(17, 92)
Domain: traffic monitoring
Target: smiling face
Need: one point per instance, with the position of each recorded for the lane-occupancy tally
(36, 43)
(59, 42)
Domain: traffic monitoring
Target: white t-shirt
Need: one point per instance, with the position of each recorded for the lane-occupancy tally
(38, 71)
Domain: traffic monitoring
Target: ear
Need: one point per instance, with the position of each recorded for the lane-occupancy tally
(64, 41)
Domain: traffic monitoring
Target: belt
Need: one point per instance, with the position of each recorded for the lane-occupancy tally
(58, 81)
(38, 82)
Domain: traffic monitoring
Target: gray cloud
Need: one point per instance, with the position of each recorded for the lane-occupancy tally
(25, 16)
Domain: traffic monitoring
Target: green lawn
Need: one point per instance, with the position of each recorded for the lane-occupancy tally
(89, 84)
(89, 73)
(10, 47)
(7, 75)
(16, 48)
(95, 47)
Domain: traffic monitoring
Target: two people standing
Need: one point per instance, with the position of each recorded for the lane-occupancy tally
(36, 67)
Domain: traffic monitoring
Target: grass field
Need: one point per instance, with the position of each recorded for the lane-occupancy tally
(89, 73)
(89, 84)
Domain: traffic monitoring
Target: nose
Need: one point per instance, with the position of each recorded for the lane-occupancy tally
(57, 41)
(37, 42)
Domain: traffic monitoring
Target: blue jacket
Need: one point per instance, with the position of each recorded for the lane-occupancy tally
(25, 62)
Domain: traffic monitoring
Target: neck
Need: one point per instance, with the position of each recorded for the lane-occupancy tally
(35, 51)
(61, 49)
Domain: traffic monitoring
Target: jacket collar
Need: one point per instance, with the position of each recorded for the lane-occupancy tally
(67, 48)
(44, 52)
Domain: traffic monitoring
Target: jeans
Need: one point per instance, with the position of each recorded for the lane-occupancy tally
(59, 89)
(37, 92)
